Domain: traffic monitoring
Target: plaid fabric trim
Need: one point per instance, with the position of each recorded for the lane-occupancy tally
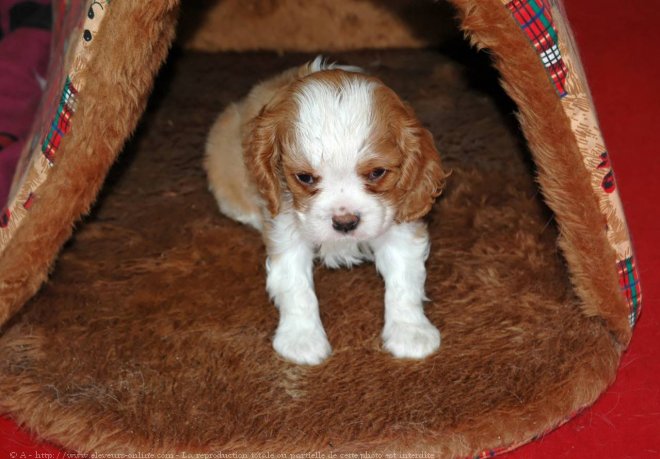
(61, 123)
(535, 19)
(629, 283)
(490, 453)
(608, 184)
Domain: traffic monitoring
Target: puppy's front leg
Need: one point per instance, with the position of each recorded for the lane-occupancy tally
(400, 254)
(300, 336)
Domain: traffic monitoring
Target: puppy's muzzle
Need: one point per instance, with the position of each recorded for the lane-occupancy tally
(345, 223)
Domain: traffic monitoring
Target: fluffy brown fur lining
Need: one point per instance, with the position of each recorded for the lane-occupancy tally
(154, 333)
(127, 51)
(325, 26)
(562, 175)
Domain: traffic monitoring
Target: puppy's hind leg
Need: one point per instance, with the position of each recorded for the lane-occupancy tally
(226, 172)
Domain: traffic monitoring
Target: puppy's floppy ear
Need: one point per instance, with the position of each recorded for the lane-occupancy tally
(262, 155)
(422, 177)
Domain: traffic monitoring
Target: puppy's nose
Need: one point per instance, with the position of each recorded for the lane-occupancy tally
(345, 223)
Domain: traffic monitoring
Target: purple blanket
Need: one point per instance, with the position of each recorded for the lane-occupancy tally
(24, 50)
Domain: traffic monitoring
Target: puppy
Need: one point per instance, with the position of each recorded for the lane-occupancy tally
(329, 163)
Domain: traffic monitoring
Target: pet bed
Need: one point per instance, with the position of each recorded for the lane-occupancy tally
(153, 331)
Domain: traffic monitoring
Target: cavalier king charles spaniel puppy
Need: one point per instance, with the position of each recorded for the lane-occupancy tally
(328, 163)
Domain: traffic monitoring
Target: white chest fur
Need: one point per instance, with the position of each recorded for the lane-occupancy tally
(346, 253)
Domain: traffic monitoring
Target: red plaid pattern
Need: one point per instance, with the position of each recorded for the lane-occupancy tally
(608, 184)
(535, 18)
(629, 283)
(558, 72)
(61, 124)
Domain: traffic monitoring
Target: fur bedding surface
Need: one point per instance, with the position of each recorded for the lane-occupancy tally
(154, 330)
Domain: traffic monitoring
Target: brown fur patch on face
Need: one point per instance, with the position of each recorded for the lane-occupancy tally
(399, 138)
(387, 159)
(272, 155)
(293, 164)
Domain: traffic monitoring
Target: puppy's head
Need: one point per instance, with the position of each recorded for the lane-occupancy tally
(344, 153)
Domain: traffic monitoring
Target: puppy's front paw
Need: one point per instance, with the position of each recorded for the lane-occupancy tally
(411, 340)
(303, 345)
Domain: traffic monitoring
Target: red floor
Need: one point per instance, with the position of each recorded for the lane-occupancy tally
(619, 47)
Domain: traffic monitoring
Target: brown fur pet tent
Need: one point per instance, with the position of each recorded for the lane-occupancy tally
(152, 332)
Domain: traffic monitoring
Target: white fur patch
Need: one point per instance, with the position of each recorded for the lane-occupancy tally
(334, 124)
(333, 130)
(321, 62)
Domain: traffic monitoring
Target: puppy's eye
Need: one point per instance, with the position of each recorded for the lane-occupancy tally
(306, 179)
(376, 174)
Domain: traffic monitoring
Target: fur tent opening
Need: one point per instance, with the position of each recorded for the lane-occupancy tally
(152, 317)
